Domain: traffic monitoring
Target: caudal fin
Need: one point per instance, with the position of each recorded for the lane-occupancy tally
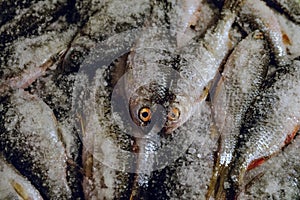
(216, 187)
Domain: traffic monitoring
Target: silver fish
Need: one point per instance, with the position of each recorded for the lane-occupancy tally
(27, 59)
(261, 17)
(193, 19)
(290, 7)
(13, 185)
(31, 142)
(271, 123)
(239, 83)
(277, 177)
(163, 88)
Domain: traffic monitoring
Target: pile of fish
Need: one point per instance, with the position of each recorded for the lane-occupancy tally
(148, 99)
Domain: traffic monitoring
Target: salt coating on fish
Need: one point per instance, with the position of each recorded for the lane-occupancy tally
(232, 97)
(14, 185)
(37, 138)
(112, 99)
(263, 18)
(278, 176)
(277, 119)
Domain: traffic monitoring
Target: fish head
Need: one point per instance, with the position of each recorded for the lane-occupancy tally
(155, 105)
(161, 92)
(147, 108)
(179, 111)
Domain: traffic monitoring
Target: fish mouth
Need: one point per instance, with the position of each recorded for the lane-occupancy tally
(169, 127)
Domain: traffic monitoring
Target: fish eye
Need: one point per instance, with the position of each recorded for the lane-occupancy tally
(145, 114)
(174, 114)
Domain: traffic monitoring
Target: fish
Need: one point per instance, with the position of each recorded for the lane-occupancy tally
(281, 172)
(106, 170)
(27, 59)
(239, 83)
(30, 140)
(193, 19)
(270, 124)
(290, 8)
(27, 77)
(164, 84)
(259, 16)
(14, 185)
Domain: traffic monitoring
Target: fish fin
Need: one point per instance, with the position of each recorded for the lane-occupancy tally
(20, 190)
(205, 93)
(256, 162)
(285, 38)
(220, 193)
(253, 180)
(214, 85)
(291, 136)
(216, 186)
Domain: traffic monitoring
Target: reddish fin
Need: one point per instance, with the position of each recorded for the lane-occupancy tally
(256, 163)
(286, 40)
(288, 140)
(291, 136)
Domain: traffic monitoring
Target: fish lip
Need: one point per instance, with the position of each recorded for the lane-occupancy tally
(170, 126)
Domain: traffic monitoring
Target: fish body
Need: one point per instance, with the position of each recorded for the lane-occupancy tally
(30, 140)
(271, 123)
(193, 19)
(259, 16)
(13, 185)
(169, 82)
(239, 83)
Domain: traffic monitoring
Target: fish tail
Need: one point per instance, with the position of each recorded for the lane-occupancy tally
(216, 186)
(223, 185)
(235, 180)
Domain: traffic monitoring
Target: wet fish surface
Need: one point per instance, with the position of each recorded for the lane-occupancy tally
(111, 99)
(37, 153)
(14, 185)
(275, 124)
(239, 83)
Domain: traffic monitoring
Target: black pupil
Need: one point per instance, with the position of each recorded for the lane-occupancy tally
(145, 114)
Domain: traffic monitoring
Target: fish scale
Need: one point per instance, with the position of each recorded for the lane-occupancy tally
(100, 26)
(231, 98)
(275, 119)
(196, 67)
